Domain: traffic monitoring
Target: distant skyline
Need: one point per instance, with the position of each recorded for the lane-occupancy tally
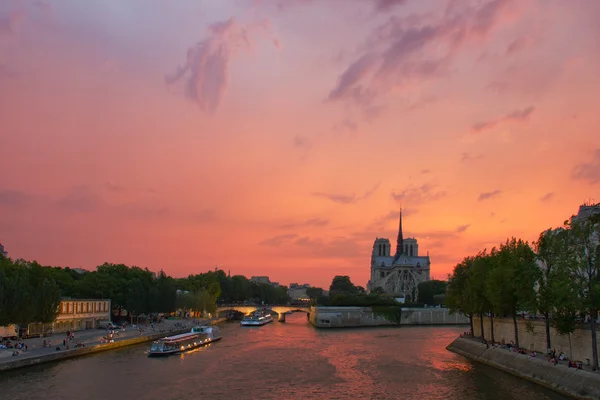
(279, 138)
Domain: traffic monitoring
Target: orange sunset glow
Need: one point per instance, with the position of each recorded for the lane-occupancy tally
(280, 138)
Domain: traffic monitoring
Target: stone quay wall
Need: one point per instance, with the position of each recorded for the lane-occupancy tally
(575, 383)
(90, 349)
(581, 339)
(346, 317)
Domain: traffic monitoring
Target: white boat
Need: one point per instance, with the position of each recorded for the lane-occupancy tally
(199, 336)
(257, 318)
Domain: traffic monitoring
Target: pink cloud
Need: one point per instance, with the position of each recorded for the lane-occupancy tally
(208, 61)
(9, 22)
(405, 51)
(521, 115)
(589, 171)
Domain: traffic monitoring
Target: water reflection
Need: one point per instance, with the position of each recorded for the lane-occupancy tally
(281, 361)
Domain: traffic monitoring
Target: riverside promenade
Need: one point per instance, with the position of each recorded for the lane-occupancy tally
(92, 341)
(576, 383)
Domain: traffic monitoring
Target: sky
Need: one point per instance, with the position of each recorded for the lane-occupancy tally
(280, 138)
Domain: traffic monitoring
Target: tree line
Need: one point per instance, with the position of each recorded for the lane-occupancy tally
(30, 292)
(557, 277)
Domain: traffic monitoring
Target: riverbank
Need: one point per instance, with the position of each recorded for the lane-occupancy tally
(38, 355)
(579, 384)
(353, 317)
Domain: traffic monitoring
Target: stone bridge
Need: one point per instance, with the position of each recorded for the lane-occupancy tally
(280, 310)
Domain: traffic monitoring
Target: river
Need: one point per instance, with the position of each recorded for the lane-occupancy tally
(289, 360)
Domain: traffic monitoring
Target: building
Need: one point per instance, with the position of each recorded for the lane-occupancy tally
(260, 279)
(79, 314)
(264, 279)
(73, 315)
(588, 209)
(298, 292)
(401, 273)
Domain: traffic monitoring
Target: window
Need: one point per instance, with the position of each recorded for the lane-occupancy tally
(382, 274)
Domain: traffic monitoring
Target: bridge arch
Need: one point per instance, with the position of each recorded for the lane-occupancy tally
(246, 310)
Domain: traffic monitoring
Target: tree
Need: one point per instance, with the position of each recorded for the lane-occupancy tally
(167, 293)
(510, 286)
(378, 290)
(481, 267)
(551, 249)
(314, 292)
(342, 285)
(439, 299)
(5, 284)
(457, 296)
(428, 289)
(567, 302)
(583, 241)
(47, 301)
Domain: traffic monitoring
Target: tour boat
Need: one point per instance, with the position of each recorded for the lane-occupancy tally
(257, 318)
(199, 336)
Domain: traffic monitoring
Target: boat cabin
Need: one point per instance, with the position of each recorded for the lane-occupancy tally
(177, 343)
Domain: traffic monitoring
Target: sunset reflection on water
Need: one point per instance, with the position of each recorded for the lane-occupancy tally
(289, 360)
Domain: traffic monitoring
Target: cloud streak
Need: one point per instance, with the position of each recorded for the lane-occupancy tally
(208, 61)
(404, 51)
(347, 199)
(589, 171)
(489, 195)
(521, 115)
(418, 195)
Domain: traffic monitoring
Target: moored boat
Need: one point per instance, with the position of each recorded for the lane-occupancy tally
(257, 318)
(199, 336)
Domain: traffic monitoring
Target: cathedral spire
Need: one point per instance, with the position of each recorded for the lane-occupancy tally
(400, 242)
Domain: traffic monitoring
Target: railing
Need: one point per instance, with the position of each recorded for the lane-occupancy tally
(261, 305)
(70, 316)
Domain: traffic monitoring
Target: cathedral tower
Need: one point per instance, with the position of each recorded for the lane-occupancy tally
(400, 241)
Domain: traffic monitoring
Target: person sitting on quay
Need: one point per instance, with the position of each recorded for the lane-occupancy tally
(533, 353)
(575, 364)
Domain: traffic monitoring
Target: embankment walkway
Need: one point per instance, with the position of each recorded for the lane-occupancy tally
(576, 383)
(37, 354)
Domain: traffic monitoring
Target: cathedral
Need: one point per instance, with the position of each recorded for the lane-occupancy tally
(401, 273)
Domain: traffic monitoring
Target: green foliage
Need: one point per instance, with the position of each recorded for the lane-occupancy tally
(314, 292)
(584, 244)
(511, 285)
(481, 268)
(529, 327)
(200, 300)
(567, 301)
(391, 313)
(429, 289)
(30, 292)
(458, 297)
(378, 290)
(343, 285)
